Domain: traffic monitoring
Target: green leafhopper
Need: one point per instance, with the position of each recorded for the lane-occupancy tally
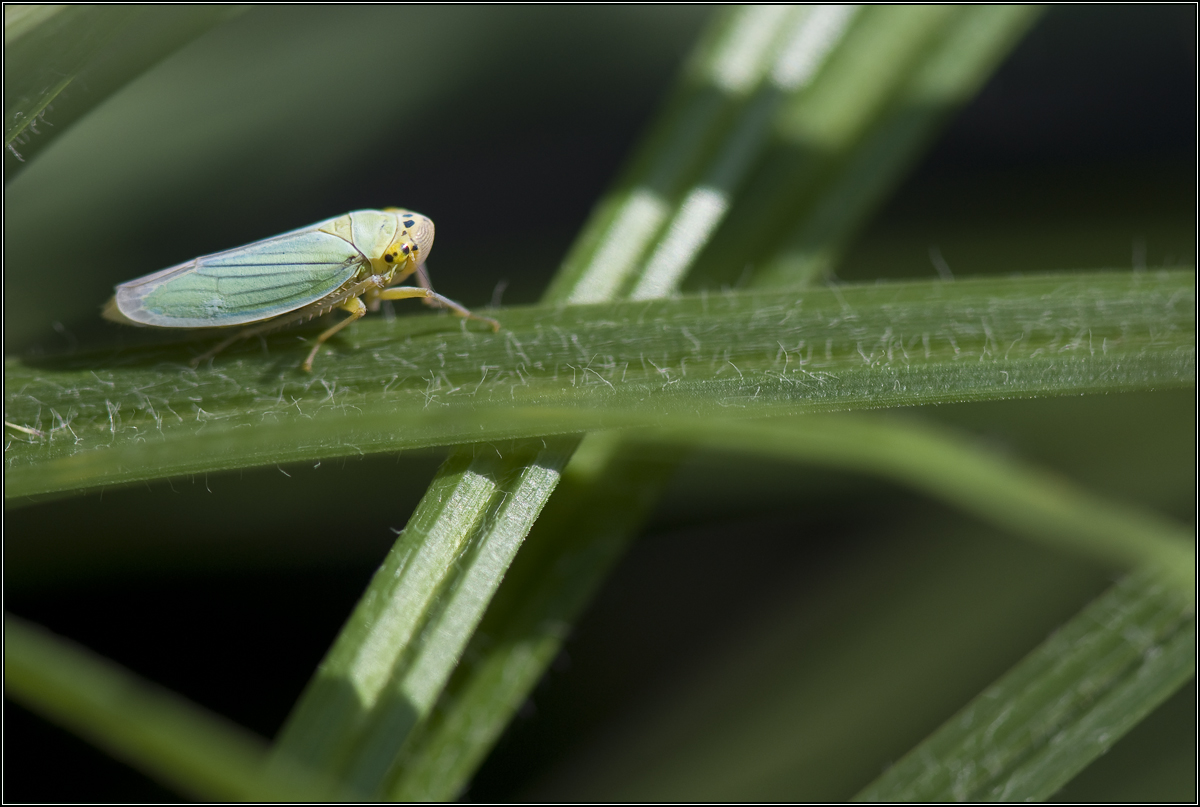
(352, 262)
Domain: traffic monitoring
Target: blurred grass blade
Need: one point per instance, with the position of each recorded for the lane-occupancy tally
(807, 42)
(717, 86)
(605, 492)
(154, 730)
(61, 61)
(609, 485)
(966, 50)
(141, 414)
(940, 463)
(1067, 703)
(45, 49)
(838, 150)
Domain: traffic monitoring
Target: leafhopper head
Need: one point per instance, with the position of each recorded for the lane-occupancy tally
(413, 240)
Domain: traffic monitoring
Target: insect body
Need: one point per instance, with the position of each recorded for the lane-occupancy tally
(351, 262)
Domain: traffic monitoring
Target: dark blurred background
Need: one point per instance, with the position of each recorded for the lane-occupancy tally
(778, 632)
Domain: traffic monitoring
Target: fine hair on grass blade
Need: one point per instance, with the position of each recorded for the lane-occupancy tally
(566, 370)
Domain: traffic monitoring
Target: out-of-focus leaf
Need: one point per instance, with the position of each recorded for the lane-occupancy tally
(1066, 704)
(939, 463)
(61, 61)
(157, 731)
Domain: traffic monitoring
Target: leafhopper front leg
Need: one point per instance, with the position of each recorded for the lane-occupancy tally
(399, 276)
(431, 297)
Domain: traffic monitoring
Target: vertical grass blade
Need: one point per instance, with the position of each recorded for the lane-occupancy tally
(956, 60)
(806, 44)
(582, 534)
(413, 688)
(379, 678)
(721, 78)
(606, 491)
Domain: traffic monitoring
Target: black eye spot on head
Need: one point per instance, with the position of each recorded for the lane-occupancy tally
(404, 249)
(409, 223)
(389, 257)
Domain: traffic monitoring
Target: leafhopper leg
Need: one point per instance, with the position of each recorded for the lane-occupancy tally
(347, 299)
(431, 297)
(356, 309)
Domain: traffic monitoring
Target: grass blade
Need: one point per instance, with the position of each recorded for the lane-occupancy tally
(62, 61)
(605, 493)
(157, 731)
(720, 108)
(403, 639)
(1068, 702)
(939, 463)
(567, 370)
